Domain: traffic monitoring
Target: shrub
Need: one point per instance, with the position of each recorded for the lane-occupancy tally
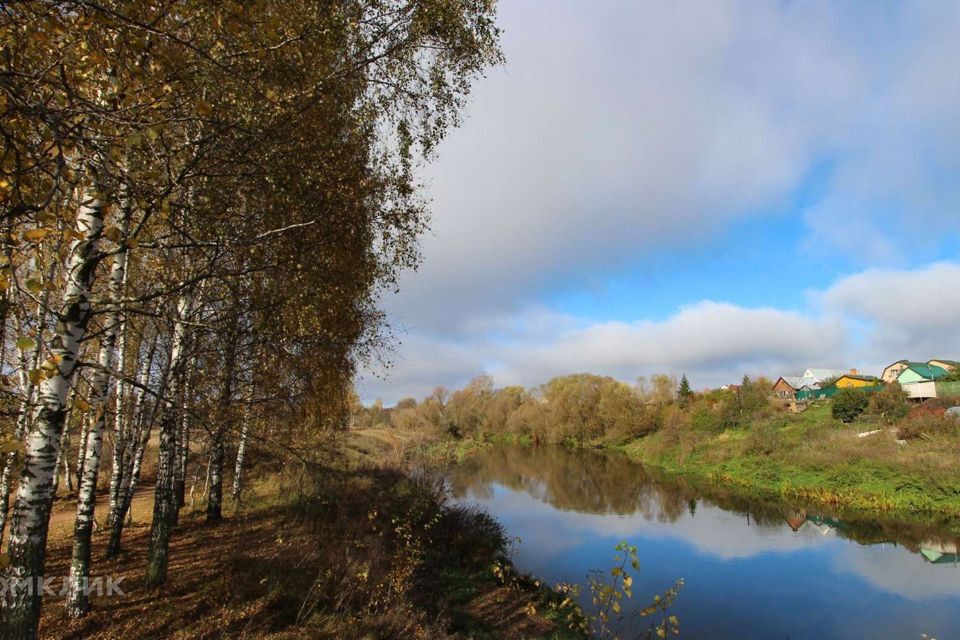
(765, 438)
(707, 420)
(890, 403)
(848, 404)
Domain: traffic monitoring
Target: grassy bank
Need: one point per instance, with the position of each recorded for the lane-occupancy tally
(357, 550)
(815, 459)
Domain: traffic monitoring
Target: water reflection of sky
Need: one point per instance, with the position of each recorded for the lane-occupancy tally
(743, 580)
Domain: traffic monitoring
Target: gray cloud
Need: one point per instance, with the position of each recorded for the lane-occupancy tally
(865, 320)
(621, 127)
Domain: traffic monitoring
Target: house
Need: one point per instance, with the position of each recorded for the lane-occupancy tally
(821, 375)
(892, 371)
(787, 386)
(921, 372)
(918, 379)
(949, 365)
(937, 552)
(854, 381)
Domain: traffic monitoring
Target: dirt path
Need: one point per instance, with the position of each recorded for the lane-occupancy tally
(64, 511)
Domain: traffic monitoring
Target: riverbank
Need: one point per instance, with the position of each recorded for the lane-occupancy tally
(809, 458)
(817, 460)
(356, 550)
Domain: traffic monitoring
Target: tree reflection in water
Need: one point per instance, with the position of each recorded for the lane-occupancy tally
(610, 483)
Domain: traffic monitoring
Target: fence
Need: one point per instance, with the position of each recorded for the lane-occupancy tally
(948, 389)
(829, 392)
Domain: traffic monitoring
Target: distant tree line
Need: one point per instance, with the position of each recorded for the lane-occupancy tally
(577, 409)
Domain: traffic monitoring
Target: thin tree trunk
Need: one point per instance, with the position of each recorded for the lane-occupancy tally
(31, 512)
(193, 484)
(206, 478)
(215, 494)
(131, 477)
(179, 470)
(163, 499)
(67, 476)
(129, 487)
(219, 434)
(64, 438)
(131, 434)
(82, 447)
(120, 435)
(238, 468)
(184, 454)
(78, 597)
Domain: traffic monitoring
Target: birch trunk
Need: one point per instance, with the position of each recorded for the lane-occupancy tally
(78, 598)
(130, 435)
(67, 476)
(64, 437)
(119, 424)
(31, 512)
(26, 403)
(131, 476)
(215, 496)
(163, 499)
(183, 452)
(238, 468)
(127, 490)
(225, 415)
(82, 448)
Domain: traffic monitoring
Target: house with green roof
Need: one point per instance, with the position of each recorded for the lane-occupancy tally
(949, 365)
(921, 372)
(919, 379)
(891, 372)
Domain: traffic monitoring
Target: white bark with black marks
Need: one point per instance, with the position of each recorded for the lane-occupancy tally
(163, 498)
(78, 600)
(31, 512)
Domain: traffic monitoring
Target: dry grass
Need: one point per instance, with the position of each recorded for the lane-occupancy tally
(364, 553)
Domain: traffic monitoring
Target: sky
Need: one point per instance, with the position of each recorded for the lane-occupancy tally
(711, 188)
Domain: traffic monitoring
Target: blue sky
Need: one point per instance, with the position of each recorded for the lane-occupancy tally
(710, 188)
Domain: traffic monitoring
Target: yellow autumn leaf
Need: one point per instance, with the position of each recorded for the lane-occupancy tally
(35, 376)
(10, 445)
(34, 285)
(36, 235)
(112, 234)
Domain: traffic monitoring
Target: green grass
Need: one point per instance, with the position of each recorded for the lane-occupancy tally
(814, 458)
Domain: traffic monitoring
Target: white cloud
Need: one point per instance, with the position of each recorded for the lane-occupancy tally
(909, 313)
(864, 320)
(621, 128)
(712, 341)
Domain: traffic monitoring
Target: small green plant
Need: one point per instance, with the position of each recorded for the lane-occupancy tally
(849, 404)
(608, 594)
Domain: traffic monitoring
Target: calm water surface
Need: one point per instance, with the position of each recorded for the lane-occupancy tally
(752, 569)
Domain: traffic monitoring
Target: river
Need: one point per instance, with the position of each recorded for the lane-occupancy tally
(752, 568)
